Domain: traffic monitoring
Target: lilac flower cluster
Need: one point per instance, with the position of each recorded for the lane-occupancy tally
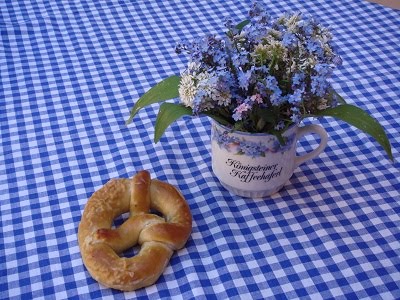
(264, 76)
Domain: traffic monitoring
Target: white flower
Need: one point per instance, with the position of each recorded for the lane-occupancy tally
(322, 104)
(328, 50)
(292, 23)
(293, 67)
(202, 77)
(193, 68)
(308, 62)
(187, 89)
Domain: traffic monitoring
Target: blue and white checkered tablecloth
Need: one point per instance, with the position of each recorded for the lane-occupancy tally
(70, 72)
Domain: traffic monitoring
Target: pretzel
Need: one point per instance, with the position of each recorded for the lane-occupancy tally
(158, 237)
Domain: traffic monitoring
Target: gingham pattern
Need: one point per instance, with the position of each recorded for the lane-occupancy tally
(70, 72)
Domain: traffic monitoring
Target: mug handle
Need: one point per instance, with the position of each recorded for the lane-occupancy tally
(324, 141)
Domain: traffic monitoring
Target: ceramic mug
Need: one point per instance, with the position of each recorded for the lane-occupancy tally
(256, 165)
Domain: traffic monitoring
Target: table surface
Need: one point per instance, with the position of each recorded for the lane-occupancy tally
(70, 72)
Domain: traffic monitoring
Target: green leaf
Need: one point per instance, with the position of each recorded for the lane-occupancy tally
(268, 115)
(164, 90)
(242, 24)
(260, 124)
(217, 119)
(168, 113)
(360, 119)
(340, 98)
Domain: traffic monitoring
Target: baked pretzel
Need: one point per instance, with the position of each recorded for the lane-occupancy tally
(158, 237)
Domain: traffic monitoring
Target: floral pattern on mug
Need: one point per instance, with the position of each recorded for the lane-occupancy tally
(241, 146)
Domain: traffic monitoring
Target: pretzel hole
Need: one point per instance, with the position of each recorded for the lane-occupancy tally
(157, 213)
(130, 252)
(119, 220)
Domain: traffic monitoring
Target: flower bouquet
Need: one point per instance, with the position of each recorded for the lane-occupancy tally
(265, 75)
